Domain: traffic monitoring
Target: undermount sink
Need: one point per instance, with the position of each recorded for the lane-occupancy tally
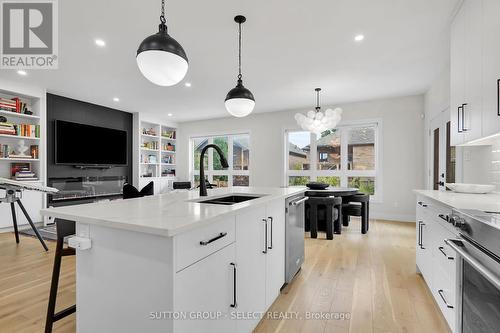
(230, 199)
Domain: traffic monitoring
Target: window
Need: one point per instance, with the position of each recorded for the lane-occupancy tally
(345, 156)
(237, 146)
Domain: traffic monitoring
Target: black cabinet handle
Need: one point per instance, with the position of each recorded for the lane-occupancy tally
(464, 128)
(422, 204)
(443, 217)
(222, 234)
(498, 97)
(265, 240)
(271, 219)
(459, 127)
(448, 305)
(444, 253)
(419, 243)
(234, 304)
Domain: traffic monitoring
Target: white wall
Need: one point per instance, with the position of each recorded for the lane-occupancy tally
(402, 148)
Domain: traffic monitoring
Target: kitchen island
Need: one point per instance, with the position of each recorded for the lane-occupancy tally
(170, 263)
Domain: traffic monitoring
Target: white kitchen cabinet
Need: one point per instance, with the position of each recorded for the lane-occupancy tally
(466, 73)
(204, 292)
(251, 251)
(260, 255)
(491, 67)
(275, 260)
(435, 259)
(457, 78)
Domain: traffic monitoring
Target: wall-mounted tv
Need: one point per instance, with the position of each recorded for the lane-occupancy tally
(87, 145)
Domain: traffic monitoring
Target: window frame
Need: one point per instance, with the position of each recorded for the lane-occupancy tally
(343, 173)
(229, 172)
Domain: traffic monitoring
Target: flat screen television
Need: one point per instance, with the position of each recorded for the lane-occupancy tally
(87, 145)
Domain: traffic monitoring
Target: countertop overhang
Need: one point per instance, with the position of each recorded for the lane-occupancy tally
(167, 214)
(484, 202)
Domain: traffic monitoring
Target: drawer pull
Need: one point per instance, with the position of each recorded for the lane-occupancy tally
(222, 234)
(442, 251)
(443, 217)
(265, 233)
(448, 305)
(422, 204)
(234, 304)
(271, 219)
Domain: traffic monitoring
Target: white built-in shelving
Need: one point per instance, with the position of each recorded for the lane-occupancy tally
(35, 100)
(156, 154)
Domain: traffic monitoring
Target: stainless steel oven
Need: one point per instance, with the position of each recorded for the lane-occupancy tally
(478, 250)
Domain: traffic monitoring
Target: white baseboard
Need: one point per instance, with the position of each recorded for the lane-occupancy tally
(393, 217)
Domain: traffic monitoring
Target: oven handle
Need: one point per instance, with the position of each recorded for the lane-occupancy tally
(490, 276)
(298, 202)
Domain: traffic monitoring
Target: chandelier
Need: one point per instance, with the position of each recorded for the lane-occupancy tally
(318, 121)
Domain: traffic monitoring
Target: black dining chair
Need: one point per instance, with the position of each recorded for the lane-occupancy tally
(129, 191)
(325, 209)
(357, 205)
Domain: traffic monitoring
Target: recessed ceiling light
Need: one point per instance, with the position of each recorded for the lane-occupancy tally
(187, 84)
(116, 99)
(359, 38)
(100, 43)
(169, 114)
(21, 72)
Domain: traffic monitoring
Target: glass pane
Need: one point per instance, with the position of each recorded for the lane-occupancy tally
(241, 180)
(241, 152)
(222, 143)
(328, 148)
(361, 148)
(299, 149)
(332, 181)
(220, 181)
(364, 184)
(198, 144)
(298, 180)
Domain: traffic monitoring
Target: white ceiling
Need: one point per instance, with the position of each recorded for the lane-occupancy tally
(289, 48)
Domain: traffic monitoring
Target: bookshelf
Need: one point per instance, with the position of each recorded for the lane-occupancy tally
(34, 100)
(156, 154)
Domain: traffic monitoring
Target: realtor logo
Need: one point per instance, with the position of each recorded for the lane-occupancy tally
(29, 34)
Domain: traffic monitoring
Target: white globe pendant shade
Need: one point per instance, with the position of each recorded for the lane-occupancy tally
(239, 107)
(161, 67)
(317, 121)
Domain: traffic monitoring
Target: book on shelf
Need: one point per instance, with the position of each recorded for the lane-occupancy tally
(27, 130)
(19, 167)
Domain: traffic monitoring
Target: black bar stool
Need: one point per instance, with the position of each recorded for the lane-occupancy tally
(357, 205)
(64, 228)
(332, 206)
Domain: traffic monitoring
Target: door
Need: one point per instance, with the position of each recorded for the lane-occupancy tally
(491, 67)
(439, 131)
(207, 288)
(251, 252)
(275, 261)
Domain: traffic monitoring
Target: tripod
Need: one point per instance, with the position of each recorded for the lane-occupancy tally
(13, 194)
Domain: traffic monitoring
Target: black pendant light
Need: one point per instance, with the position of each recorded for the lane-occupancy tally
(161, 59)
(239, 100)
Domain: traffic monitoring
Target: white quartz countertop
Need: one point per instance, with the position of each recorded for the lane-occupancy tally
(483, 202)
(167, 214)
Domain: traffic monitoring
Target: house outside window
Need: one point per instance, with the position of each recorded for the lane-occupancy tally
(235, 145)
(346, 156)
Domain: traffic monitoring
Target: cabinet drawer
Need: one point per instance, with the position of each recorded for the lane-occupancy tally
(444, 292)
(197, 244)
(445, 256)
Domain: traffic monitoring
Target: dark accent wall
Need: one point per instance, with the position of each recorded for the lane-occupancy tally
(63, 108)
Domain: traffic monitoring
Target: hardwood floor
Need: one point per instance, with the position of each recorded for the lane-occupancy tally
(369, 278)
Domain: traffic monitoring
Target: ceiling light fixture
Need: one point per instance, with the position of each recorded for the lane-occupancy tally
(317, 121)
(160, 58)
(359, 38)
(21, 72)
(169, 114)
(187, 84)
(116, 99)
(100, 43)
(239, 101)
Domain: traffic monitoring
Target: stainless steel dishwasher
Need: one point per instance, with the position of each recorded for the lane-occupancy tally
(294, 231)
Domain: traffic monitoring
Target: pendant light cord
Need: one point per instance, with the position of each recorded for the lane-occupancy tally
(162, 16)
(239, 51)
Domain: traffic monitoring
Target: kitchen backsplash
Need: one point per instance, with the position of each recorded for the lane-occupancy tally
(481, 165)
